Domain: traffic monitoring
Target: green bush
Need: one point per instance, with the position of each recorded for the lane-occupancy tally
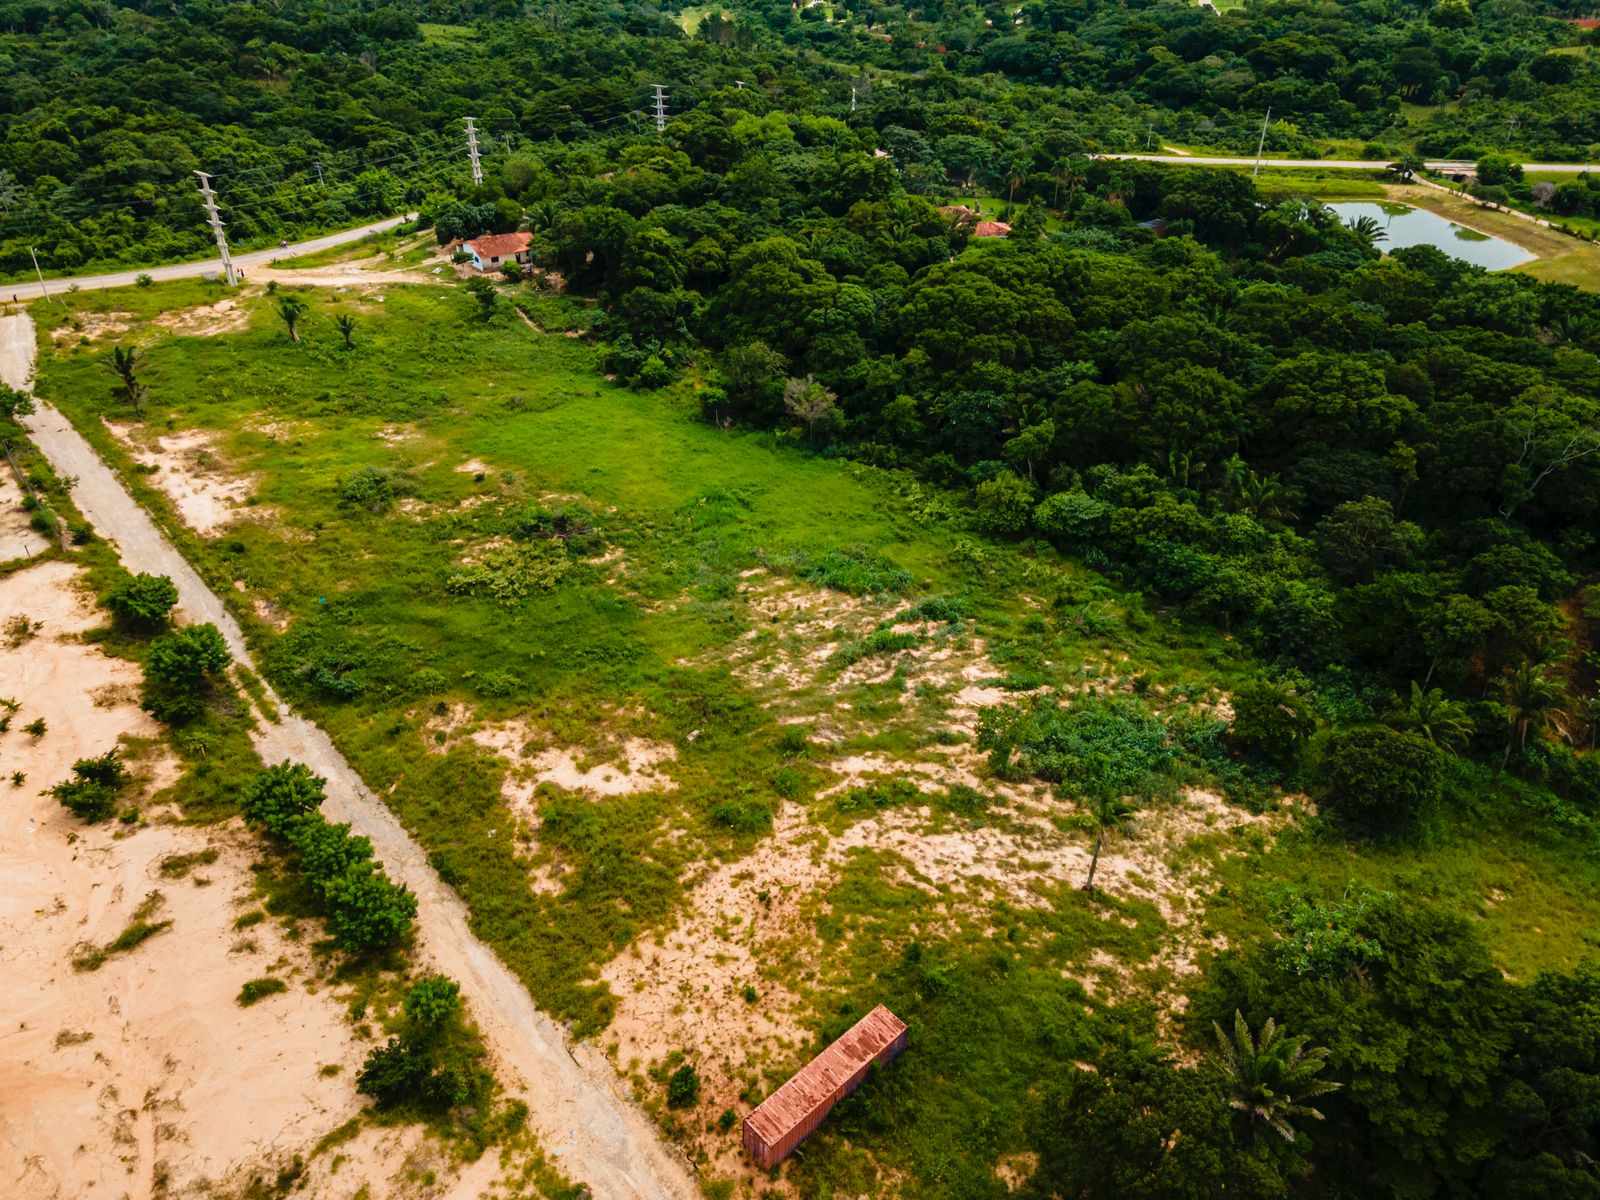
(369, 490)
(143, 601)
(1378, 781)
(683, 1088)
(1271, 721)
(91, 794)
(277, 797)
(182, 671)
(1003, 506)
(260, 989)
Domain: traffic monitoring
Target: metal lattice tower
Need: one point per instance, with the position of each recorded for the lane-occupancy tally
(661, 107)
(210, 199)
(472, 151)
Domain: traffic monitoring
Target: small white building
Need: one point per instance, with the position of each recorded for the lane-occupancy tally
(493, 250)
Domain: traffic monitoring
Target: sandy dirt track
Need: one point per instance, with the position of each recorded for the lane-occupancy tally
(575, 1098)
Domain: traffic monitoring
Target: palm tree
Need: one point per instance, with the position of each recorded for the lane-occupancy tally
(1271, 1076)
(1262, 496)
(1530, 697)
(291, 309)
(1369, 230)
(124, 365)
(347, 329)
(1111, 813)
(1443, 721)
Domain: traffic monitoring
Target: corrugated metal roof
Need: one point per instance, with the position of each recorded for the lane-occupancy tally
(816, 1085)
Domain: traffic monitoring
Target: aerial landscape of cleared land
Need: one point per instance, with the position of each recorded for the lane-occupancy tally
(829, 584)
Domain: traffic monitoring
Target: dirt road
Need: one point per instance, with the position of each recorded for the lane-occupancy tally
(574, 1097)
(193, 270)
(1445, 166)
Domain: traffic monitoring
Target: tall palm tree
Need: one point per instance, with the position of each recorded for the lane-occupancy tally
(1111, 814)
(1443, 721)
(1271, 1076)
(1530, 697)
(291, 309)
(124, 365)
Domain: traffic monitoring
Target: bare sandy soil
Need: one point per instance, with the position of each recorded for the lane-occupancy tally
(17, 537)
(144, 1077)
(189, 473)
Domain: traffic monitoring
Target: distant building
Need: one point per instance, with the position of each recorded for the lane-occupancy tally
(974, 223)
(491, 251)
(792, 1113)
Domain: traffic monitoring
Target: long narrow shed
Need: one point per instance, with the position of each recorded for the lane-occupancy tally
(792, 1113)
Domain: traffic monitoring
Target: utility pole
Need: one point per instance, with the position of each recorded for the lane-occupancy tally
(43, 291)
(1262, 144)
(739, 83)
(661, 107)
(852, 97)
(1149, 134)
(318, 166)
(215, 221)
(472, 152)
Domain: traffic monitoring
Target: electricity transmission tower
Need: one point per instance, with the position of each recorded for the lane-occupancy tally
(661, 107)
(472, 152)
(210, 199)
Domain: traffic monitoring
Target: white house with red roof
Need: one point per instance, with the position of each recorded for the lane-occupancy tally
(493, 250)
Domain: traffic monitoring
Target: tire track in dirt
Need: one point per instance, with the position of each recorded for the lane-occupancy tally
(575, 1099)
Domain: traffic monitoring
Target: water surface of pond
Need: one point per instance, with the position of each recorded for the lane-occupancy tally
(1418, 227)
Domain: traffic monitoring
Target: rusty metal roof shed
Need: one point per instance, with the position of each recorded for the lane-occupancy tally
(784, 1119)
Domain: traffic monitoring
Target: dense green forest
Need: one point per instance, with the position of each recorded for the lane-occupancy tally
(1378, 473)
(311, 114)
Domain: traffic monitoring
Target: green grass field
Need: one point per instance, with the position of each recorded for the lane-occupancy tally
(377, 614)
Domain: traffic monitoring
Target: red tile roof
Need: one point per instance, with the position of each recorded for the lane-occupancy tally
(991, 229)
(500, 245)
(781, 1120)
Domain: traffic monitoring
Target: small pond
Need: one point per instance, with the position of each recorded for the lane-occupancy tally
(1418, 227)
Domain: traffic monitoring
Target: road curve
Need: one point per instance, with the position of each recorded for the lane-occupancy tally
(193, 270)
(575, 1100)
(1443, 166)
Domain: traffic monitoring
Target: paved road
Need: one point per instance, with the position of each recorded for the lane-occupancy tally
(575, 1100)
(211, 266)
(1443, 166)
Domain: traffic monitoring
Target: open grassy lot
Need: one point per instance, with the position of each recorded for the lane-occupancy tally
(688, 715)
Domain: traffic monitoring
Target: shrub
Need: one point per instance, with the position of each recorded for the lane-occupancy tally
(510, 574)
(1272, 721)
(260, 989)
(1377, 780)
(369, 489)
(278, 796)
(1003, 505)
(91, 794)
(1073, 520)
(433, 1002)
(367, 910)
(1095, 745)
(143, 601)
(182, 671)
(683, 1088)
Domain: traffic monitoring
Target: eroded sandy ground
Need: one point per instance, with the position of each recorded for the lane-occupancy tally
(18, 539)
(186, 467)
(144, 1078)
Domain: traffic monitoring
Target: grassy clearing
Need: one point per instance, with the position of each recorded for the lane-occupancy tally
(1323, 184)
(439, 449)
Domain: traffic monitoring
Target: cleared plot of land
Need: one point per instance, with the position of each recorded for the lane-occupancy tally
(130, 1068)
(688, 717)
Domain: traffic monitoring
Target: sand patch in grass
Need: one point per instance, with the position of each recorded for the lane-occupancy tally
(188, 471)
